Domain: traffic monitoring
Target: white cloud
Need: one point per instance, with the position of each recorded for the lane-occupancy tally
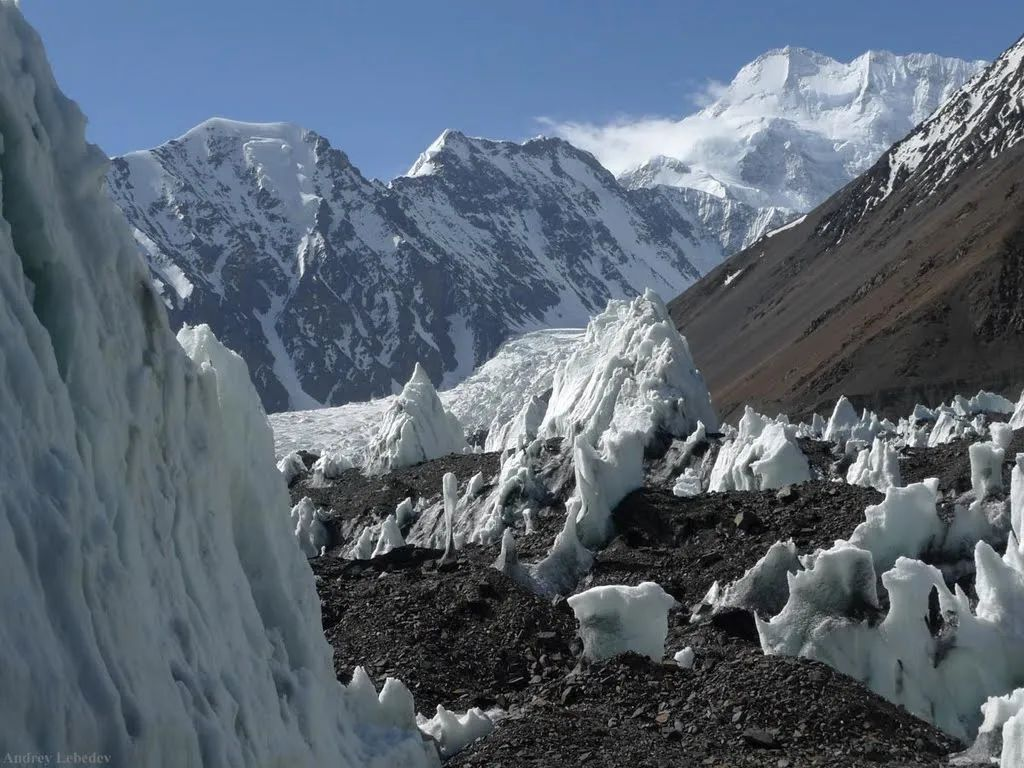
(711, 92)
(629, 140)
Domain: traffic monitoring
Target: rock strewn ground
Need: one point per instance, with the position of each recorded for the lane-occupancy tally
(461, 635)
(736, 707)
(465, 635)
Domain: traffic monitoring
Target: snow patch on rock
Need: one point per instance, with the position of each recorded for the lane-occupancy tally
(684, 658)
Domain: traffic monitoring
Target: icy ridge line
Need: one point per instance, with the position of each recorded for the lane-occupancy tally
(333, 286)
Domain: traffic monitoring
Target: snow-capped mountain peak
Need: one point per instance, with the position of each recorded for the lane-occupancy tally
(450, 142)
(333, 286)
(455, 152)
(219, 128)
(792, 127)
(906, 280)
(840, 99)
(981, 120)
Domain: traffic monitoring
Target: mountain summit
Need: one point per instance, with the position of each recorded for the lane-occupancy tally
(333, 286)
(795, 125)
(905, 286)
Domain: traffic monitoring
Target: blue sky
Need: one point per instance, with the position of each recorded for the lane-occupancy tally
(382, 79)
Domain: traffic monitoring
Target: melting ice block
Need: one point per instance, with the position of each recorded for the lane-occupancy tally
(616, 619)
(454, 732)
(764, 454)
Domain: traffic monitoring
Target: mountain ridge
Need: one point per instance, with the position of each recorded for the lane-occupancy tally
(333, 286)
(902, 287)
(792, 127)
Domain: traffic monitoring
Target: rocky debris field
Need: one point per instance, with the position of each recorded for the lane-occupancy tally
(735, 707)
(685, 544)
(951, 464)
(464, 635)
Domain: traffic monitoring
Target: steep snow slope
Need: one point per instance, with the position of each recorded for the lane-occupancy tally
(523, 368)
(736, 224)
(978, 123)
(791, 128)
(157, 610)
(905, 286)
(711, 206)
(333, 286)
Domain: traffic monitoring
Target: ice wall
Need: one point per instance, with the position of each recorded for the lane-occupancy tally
(764, 454)
(632, 373)
(158, 610)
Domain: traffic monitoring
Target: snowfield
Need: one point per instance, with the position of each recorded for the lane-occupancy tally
(522, 368)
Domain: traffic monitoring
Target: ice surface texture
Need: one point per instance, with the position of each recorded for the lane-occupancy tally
(160, 610)
(615, 619)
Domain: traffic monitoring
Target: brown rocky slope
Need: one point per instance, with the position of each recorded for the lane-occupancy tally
(905, 286)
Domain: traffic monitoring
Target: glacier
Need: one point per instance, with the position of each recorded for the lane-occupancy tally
(158, 610)
(522, 369)
(628, 397)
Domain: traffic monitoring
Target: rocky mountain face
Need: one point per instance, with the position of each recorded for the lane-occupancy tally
(795, 125)
(905, 285)
(332, 285)
(736, 224)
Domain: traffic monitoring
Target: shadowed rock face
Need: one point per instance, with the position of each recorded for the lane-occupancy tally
(333, 286)
(905, 286)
